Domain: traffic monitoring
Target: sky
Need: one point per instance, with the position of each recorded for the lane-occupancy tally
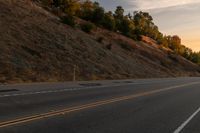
(173, 17)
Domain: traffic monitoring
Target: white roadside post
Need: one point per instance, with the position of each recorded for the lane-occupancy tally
(74, 74)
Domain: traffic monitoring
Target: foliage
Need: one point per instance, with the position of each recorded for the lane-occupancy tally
(100, 39)
(109, 46)
(119, 16)
(195, 57)
(70, 7)
(87, 27)
(128, 27)
(68, 20)
(98, 14)
(126, 46)
(109, 21)
(131, 25)
(86, 10)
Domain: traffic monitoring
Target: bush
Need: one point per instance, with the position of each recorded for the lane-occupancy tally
(109, 46)
(88, 27)
(173, 57)
(68, 20)
(109, 21)
(165, 63)
(100, 39)
(125, 46)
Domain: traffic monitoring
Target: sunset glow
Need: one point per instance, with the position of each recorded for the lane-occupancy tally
(173, 17)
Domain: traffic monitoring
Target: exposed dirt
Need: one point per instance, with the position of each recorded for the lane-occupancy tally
(35, 47)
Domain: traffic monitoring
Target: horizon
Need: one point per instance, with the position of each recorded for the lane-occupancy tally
(173, 17)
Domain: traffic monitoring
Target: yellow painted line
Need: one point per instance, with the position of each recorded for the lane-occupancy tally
(86, 106)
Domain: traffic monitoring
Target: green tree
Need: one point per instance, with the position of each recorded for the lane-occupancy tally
(145, 26)
(46, 2)
(86, 10)
(175, 43)
(56, 3)
(160, 39)
(187, 53)
(124, 24)
(195, 57)
(70, 7)
(127, 27)
(109, 21)
(163, 41)
(119, 12)
(119, 16)
(98, 14)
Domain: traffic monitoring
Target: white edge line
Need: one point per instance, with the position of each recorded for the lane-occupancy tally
(182, 126)
(65, 90)
(82, 88)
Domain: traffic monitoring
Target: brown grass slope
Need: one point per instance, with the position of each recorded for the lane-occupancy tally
(35, 46)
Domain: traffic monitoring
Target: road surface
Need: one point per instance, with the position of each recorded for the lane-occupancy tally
(170, 105)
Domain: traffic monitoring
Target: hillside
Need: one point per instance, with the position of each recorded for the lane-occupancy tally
(35, 47)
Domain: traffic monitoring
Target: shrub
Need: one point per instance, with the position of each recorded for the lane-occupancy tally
(88, 27)
(109, 46)
(100, 39)
(174, 57)
(109, 21)
(68, 20)
(165, 63)
(126, 46)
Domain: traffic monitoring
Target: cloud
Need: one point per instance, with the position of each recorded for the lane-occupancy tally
(182, 20)
(155, 4)
(110, 5)
(179, 17)
(132, 5)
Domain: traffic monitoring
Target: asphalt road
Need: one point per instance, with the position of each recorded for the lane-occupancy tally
(169, 105)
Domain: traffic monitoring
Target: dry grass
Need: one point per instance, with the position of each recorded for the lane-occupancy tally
(35, 46)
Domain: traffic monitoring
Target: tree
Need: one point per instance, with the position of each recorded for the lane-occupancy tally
(47, 2)
(187, 53)
(56, 3)
(86, 10)
(98, 13)
(195, 57)
(109, 21)
(144, 25)
(175, 43)
(124, 24)
(160, 39)
(119, 15)
(70, 7)
(127, 27)
(163, 40)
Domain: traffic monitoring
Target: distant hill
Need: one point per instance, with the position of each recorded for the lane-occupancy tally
(36, 47)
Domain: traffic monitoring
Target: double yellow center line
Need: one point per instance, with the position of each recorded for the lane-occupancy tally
(86, 106)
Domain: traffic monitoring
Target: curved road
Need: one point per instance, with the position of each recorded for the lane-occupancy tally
(170, 105)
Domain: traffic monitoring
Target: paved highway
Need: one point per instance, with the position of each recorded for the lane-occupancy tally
(170, 105)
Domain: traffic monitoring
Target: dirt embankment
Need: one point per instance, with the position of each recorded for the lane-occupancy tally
(35, 46)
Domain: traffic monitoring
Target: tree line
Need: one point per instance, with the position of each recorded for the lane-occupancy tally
(132, 25)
